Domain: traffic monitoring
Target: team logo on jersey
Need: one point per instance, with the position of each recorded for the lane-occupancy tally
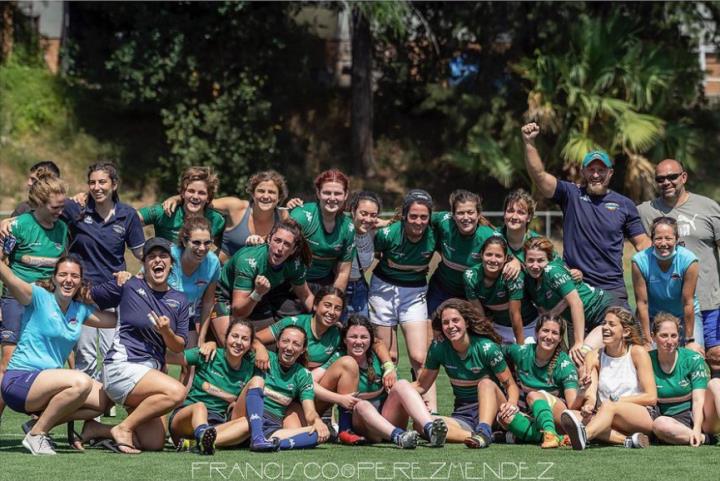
(59, 246)
(200, 282)
(87, 219)
(684, 383)
(141, 292)
(172, 303)
(308, 216)
(500, 294)
(675, 276)
(290, 386)
(386, 230)
(252, 262)
(329, 350)
(447, 216)
(469, 274)
(72, 321)
(426, 253)
(486, 347)
(475, 369)
(548, 294)
(585, 198)
(611, 206)
(564, 364)
(118, 229)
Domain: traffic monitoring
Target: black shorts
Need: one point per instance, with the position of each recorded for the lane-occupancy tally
(685, 418)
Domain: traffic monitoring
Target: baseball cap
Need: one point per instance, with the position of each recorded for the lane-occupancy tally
(156, 242)
(597, 155)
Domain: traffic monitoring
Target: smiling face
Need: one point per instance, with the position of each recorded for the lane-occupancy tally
(52, 209)
(453, 325)
(466, 217)
(418, 218)
(290, 346)
(101, 186)
(195, 197)
(516, 216)
(331, 197)
(664, 240)
(357, 341)
(535, 262)
(281, 246)
(670, 179)
(238, 341)
(197, 245)
(597, 177)
(67, 280)
(493, 258)
(157, 264)
(328, 310)
(266, 195)
(548, 336)
(667, 337)
(365, 216)
(612, 329)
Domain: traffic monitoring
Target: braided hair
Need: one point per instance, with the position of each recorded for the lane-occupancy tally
(561, 346)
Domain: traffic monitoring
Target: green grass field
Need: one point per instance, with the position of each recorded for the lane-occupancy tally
(378, 462)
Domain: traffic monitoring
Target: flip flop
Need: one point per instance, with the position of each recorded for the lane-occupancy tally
(74, 437)
(114, 447)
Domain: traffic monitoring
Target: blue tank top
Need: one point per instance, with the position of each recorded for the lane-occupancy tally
(236, 238)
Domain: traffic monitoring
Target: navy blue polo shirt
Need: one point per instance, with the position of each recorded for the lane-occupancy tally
(100, 244)
(594, 231)
(137, 340)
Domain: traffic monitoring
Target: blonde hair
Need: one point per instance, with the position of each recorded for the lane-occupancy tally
(47, 184)
(662, 317)
(627, 321)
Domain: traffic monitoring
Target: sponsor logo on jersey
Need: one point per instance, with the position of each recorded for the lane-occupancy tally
(118, 229)
(475, 369)
(172, 303)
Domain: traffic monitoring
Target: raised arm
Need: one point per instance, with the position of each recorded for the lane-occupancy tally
(545, 182)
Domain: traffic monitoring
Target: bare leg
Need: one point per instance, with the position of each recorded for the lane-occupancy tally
(624, 417)
(187, 419)
(490, 397)
(232, 432)
(671, 431)
(342, 378)
(417, 341)
(386, 335)
(58, 393)
(711, 409)
(403, 401)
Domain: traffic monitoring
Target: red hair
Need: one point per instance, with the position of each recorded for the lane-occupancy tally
(332, 175)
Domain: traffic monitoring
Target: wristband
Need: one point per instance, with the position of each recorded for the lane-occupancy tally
(255, 296)
(388, 367)
(585, 348)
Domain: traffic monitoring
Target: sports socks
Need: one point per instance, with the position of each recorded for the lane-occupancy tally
(524, 429)
(299, 441)
(255, 410)
(543, 416)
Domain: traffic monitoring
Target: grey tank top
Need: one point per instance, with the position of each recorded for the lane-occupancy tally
(234, 239)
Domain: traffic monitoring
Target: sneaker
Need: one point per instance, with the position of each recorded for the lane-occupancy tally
(438, 433)
(350, 438)
(38, 444)
(266, 445)
(407, 440)
(186, 445)
(332, 429)
(113, 412)
(206, 441)
(478, 440)
(574, 429)
(637, 441)
(550, 440)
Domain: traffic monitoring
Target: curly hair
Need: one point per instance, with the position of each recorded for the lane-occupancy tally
(302, 250)
(627, 320)
(475, 322)
(202, 174)
(268, 176)
(47, 184)
(83, 293)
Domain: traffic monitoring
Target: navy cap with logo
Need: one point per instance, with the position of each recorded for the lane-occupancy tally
(156, 243)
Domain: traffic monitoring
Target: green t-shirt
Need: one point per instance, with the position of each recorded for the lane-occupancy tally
(319, 349)
(496, 298)
(37, 249)
(282, 386)
(519, 254)
(532, 377)
(169, 227)
(675, 389)
(457, 252)
(218, 373)
(483, 359)
(246, 264)
(402, 262)
(370, 384)
(555, 283)
(328, 248)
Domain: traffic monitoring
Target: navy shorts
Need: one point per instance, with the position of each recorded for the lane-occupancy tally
(12, 314)
(356, 299)
(16, 385)
(436, 295)
(213, 418)
(711, 328)
(271, 424)
(466, 414)
(685, 418)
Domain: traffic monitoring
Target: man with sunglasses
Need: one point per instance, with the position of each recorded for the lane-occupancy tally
(698, 220)
(596, 220)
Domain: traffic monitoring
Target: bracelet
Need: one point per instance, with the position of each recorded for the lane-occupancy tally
(689, 340)
(585, 348)
(388, 367)
(255, 296)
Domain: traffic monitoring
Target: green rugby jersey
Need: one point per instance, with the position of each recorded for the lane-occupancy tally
(532, 377)
(37, 249)
(283, 386)
(519, 254)
(252, 261)
(319, 349)
(328, 248)
(675, 389)
(555, 283)
(458, 252)
(169, 227)
(370, 384)
(403, 263)
(496, 298)
(483, 359)
(218, 373)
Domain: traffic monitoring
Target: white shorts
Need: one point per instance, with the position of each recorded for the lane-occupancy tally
(121, 377)
(508, 336)
(391, 304)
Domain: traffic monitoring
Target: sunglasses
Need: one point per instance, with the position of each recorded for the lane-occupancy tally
(671, 177)
(198, 243)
